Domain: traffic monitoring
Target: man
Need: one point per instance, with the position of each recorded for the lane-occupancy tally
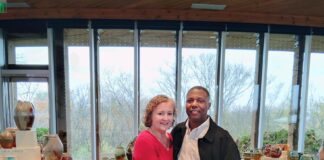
(199, 138)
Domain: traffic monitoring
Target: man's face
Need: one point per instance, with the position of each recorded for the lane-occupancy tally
(197, 105)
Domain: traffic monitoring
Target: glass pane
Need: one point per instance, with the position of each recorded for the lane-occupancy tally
(116, 65)
(37, 94)
(32, 55)
(278, 88)
(199, 55)
(27, 48)
(157, 65)
(240, 56)
(78, 93)
(315, 102)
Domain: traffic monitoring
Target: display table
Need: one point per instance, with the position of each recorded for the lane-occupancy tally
(27, 147)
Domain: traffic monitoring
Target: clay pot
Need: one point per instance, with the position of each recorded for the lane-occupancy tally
(6, 140)
(66, 156)
(120, 153)
(53, 149)
(13, 133)
(24, 115)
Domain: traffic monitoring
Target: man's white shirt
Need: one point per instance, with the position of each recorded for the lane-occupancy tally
(189, 149)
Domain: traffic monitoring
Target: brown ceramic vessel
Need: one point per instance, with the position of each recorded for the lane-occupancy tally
(24, 115)
(6, 140)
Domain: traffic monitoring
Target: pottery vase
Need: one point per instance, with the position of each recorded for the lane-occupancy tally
(120, 153)
(13, 133)
(53, 148)
(66, 156)
(24, 115)
(6, 140)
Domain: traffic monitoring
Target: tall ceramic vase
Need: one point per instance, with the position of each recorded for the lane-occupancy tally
(53, 148)
(24, 115)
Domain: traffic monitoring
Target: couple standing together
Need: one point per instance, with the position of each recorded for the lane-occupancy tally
(197, 138)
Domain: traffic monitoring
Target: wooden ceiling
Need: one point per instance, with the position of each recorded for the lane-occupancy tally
(286, 12)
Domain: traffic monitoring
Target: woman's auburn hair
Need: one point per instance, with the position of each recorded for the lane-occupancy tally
(152, 104)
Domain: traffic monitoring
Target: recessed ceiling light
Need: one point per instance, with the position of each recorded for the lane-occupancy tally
(208, 6)
(17, 5)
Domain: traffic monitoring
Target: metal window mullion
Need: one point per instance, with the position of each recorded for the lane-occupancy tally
(93, 98)
(12, 98)
(256, 91)
(218, 51)
(51, 82)
(7, 111)
(68, 98)
(178, 70)
(221, 79)
(136, 80)
(304, 94)
(263, 89)
(11, 88)
(2, 102)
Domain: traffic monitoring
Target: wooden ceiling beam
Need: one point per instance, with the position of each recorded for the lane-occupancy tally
(162, 14)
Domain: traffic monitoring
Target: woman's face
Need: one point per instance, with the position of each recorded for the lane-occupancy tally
(162, 116)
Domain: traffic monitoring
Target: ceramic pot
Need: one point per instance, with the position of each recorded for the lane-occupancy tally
(24, 115)
(120, 153)
(53, 149)
(13, 133)
(6, 140)
(66, 156)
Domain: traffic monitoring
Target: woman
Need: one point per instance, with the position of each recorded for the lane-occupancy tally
(155, 143)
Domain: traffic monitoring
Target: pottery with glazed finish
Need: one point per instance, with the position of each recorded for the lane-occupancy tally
(24, 115)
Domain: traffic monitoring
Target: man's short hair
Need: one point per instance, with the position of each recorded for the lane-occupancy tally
(199, 88)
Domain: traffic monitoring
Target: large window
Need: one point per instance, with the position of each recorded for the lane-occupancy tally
(116, 64)
(133, 63)
(239, 71)
(199, 56)
(25, 84)
(36, 93)
(315, 107)
(77, 71)
(157, 65)
(279, 87)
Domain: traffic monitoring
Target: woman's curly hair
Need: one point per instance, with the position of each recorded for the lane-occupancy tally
(152, 104)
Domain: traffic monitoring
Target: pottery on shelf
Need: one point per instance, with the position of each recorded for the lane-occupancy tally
(66, 156)
(53, 149)
(120, 152)
(6, 140)
(13, 133)
(24, 115)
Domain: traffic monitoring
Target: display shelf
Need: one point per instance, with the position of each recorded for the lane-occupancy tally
(30, 153)
(26, 148)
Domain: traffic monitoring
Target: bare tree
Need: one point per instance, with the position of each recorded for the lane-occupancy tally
(116, 110)
(80, 122)
(315, 114)
(28, 91)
